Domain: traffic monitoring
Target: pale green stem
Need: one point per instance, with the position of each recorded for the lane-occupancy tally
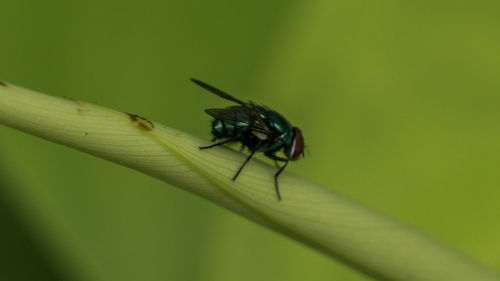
(369, 241)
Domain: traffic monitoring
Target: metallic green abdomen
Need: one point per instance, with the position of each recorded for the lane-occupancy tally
(221, 129)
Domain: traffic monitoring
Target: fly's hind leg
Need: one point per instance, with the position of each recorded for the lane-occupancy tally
(276, 159)
(218, 144)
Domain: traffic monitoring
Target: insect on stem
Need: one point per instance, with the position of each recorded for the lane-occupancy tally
(256, 127)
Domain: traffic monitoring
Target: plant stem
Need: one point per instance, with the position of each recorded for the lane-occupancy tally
(363, 238)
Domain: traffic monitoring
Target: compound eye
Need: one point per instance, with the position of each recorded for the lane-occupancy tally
(297, 147)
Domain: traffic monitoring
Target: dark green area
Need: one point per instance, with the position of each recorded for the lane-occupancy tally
(21, 257)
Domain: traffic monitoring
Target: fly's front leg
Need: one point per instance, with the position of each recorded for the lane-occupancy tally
(277, 158)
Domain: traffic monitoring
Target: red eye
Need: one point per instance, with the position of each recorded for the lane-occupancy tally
(297, 147)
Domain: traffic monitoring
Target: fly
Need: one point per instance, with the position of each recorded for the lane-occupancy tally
(256, 127)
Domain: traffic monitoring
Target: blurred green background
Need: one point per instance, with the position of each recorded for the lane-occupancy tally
(398, 102)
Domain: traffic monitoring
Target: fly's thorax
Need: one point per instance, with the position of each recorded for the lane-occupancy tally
(277, 123)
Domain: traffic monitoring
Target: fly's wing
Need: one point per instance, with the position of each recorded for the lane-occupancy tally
(216, 91)
(241, 116)
(234, 115)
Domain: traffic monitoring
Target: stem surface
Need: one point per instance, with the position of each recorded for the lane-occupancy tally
(363, 238)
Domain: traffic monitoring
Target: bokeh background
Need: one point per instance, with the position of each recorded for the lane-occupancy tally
(398, 102)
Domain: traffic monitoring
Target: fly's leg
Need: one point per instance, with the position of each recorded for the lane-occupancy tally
(248, 159)
(276, 179)
(276, 159)
(217, 144)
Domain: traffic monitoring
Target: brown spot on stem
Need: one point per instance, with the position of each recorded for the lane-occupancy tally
(142, 123)
(73, 100)
(86, 133)
(3, 84)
